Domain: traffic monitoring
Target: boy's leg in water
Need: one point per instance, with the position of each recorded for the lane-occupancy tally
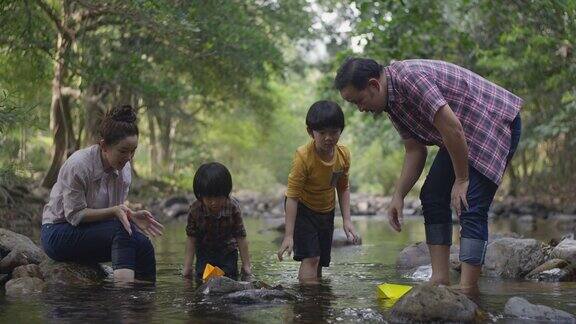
(309, 270)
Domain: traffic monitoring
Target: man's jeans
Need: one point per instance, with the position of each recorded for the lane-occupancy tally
(435, 197)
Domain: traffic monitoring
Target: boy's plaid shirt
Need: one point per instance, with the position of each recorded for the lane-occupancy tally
(215, 233)
(417, 89)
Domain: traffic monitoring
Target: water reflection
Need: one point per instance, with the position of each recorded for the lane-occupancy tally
(100, 303)
(346, 293)
(316, 303)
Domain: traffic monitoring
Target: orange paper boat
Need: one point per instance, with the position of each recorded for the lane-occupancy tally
(211, 272)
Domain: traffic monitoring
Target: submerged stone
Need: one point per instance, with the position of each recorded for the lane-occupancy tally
(517, 307)
(258, 296)
(24, 286)
(29, 270)
(222, 285)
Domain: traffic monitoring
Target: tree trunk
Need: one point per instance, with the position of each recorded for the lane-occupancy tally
(153, 142)
(93, 114)
(165, 132)
(58, 115)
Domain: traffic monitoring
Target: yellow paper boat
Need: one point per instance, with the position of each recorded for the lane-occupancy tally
(392, 291)
(211, 271)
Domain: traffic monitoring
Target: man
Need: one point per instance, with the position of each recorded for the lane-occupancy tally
(475, 123)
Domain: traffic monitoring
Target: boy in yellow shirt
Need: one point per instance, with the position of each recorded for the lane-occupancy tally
(318, 168)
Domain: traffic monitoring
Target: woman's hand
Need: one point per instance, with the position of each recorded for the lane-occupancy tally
(146, 223)
(123, 214)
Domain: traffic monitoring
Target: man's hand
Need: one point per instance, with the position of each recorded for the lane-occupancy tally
(287, 246)
(459, 191)
(395, 216)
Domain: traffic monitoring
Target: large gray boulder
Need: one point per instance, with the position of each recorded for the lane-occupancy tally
(430, 303)
(17, 250)
(565, 250)
(70, 273)
(513, 258)
(517, 307)
(24, 286)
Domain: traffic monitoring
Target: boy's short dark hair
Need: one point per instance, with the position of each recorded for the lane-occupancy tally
(357, 71)
(325, 114)
(212, 180)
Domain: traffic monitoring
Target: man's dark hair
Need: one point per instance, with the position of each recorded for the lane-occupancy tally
(325, 114)
(212, 180)
(357, 71)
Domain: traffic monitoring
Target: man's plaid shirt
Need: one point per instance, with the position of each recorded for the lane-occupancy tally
(417, 89)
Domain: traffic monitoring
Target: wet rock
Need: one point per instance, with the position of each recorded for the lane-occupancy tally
(430, 303)
(455, 263)
(339, 238)
(513, 258)
(276, 224)
(361, 314)
(29, 270)
(563, 222)
(566, 250)
(422, 273)
(417, 254)
(517, 307)
(222, 285)
(413, 256)
(363, 207)
(259, 296)
(70, 273)
(497, 236)
(18, 250)
(555, 270)
(4, 277)
(176, 207)
(24, 286)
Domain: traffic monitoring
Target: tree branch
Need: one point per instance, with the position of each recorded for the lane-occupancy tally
(52, 15)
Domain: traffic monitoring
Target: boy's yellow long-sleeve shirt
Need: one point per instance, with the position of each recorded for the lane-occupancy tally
(312, 181)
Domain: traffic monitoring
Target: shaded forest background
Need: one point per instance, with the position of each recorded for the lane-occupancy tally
(231, 80)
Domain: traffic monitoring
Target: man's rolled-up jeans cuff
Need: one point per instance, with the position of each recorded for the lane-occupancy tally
(438, 234)
(472, 251)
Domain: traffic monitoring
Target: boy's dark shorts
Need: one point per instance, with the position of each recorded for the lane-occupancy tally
(313, 234)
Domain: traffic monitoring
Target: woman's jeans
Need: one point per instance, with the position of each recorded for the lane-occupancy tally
(436, 195)
(101, 242)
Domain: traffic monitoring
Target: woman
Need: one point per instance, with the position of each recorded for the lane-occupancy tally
(85, 219)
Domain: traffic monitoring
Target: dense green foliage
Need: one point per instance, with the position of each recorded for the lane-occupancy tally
(229, 80)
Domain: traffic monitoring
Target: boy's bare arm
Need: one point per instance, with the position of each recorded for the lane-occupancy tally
(189, 256)
(288, 242)
(244, 255)
(344, 201)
